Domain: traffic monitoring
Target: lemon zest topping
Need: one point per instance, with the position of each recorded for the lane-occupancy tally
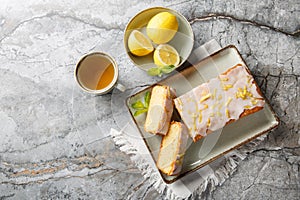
(200, 117)
(194, 120)
(179, 102)
(204, 92)
(204, 108)
(220, 97)
(214, 94)
(226, 87)
(243, 93)
(224, 79)
(205, 98)
(220, 106)
(227, 113)
(208, 122)
(248, 79)
(228, 101)
(253, 101)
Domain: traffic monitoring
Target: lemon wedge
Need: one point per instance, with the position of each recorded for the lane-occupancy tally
(162, 27)
(165, 55)
(139, 44)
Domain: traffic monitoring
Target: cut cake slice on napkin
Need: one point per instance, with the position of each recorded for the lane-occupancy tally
(173, 147)
(160, 110)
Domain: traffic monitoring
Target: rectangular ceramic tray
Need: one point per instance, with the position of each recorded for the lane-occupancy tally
(219, 142)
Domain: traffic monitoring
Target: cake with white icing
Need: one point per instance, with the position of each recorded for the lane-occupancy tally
(224, 99)
(160, 110)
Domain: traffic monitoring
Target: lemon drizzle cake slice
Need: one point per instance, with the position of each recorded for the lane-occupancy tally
(173, 147)
(160, 110)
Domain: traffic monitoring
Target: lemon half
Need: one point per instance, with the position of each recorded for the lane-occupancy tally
(139, 44)
(165, 55)
(162, 27)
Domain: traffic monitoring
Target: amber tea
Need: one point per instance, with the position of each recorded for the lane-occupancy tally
(96, 71)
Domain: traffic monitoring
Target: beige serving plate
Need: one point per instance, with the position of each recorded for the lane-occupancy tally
(219, 142)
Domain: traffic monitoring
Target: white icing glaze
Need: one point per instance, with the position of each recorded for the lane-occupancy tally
(160, 110)
(209, 106)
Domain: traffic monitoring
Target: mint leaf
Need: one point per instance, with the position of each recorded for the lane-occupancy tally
(167, 69)
(138, 105)
(147, 99)
(155, 71)
(138, 112)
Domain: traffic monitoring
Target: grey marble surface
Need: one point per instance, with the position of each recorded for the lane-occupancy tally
(54, 139)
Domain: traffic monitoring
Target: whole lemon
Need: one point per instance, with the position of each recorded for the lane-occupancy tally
(162, 27)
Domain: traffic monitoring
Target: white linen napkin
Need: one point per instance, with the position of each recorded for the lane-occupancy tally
(130, 141)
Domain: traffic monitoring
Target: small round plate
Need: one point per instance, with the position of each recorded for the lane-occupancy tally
(183, 40)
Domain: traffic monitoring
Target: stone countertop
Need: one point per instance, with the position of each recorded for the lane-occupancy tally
(55, 141)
